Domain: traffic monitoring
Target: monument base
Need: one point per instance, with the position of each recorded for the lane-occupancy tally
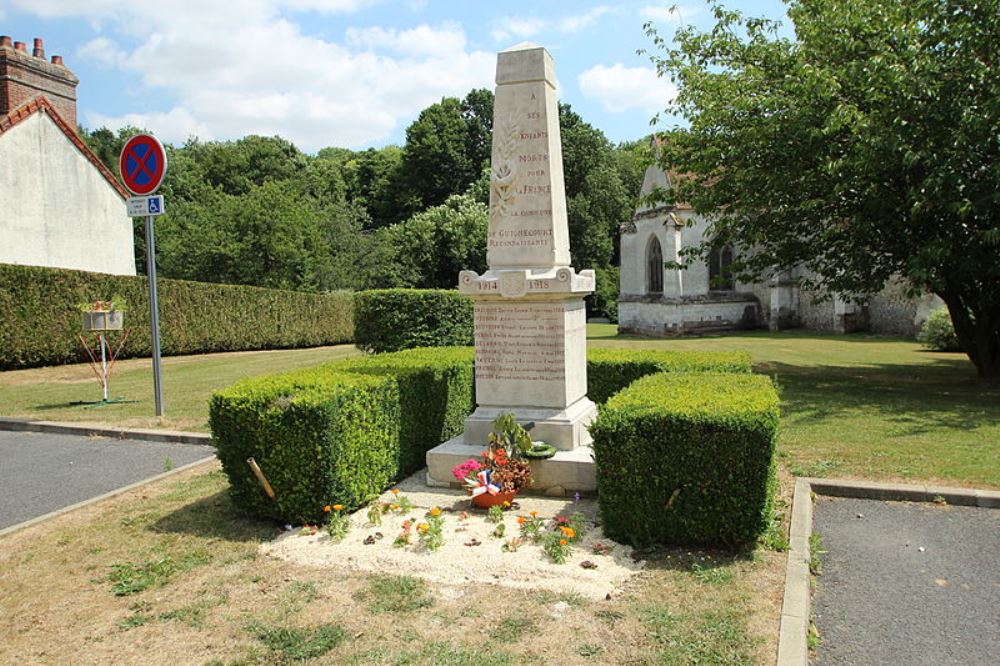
(563, 429)
(564, 474)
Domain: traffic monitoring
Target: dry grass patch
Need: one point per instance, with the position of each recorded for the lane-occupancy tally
(94, 587)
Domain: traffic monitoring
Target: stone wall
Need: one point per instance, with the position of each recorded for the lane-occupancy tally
(650, 316)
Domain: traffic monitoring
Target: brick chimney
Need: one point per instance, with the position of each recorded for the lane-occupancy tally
(24, 76)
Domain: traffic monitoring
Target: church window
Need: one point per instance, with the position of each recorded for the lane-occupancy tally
(720, 274)
(654, 267)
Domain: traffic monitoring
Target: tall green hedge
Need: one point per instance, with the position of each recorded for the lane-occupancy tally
(388, 320)
(611, 370)
(407, 403)
(687, 458)
(319, 438)
(41, 319)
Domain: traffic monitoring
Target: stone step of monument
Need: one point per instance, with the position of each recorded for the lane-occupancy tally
(563, 475)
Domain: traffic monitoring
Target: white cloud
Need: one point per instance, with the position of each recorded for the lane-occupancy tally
(516, 26)
(102, 51)
(259, 71)
(175, 125)
(529, 26)
(621, 88)
(581, 21)
(420, 41)
(670, 13)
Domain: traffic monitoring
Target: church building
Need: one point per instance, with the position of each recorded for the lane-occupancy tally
(704, 298)
(59, 205)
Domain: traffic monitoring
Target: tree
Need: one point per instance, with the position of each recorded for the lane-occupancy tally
(429, 249)
(863, 147)
(447, 147)
(597, 202)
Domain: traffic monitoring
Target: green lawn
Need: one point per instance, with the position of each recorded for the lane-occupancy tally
(854, 406)
(188, 381)
(865, 406)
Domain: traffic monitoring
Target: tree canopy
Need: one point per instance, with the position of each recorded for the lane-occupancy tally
(863, 147)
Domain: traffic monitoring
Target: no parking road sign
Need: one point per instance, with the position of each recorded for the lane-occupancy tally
(143, 164)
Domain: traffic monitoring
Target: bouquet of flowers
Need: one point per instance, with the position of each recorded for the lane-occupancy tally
(502, 469)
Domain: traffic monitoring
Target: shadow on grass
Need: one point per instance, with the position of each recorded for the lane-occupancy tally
(214, 517)
(760, 334)
(707, 564)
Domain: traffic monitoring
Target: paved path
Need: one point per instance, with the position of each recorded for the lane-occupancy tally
(883, 600)
(41, 472)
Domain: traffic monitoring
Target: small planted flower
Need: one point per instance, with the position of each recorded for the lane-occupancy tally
(556, 546)
(431, 533)
(340, 522)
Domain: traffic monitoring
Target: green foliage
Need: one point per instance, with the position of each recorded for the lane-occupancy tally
(429, 249)
(687, 458)
(394, 319)
(318, 436)
(436, 393)
(938, 334)
(396, 594)
(42, 320)
(859, 146)
(338, 433)
(299, 644)
(611, 370)
(604, 301)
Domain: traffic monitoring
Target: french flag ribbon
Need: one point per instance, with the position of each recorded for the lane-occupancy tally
(484, 484)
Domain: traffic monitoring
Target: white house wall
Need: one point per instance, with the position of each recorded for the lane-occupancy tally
(56, 208)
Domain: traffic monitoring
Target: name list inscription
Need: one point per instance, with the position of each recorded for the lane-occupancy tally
(520, 342)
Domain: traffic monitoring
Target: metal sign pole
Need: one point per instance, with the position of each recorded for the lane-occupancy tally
(104, 368)
(154, 313)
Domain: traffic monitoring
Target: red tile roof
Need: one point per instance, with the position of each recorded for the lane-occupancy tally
(41, 105)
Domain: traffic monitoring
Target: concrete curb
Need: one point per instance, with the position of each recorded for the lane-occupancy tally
(100, 498)
(27, 425)
(793, 644)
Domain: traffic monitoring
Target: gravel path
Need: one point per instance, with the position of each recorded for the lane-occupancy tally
(42, 472)
(471, 554)
(907, 583)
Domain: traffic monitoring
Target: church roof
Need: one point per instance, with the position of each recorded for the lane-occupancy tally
(41, 105)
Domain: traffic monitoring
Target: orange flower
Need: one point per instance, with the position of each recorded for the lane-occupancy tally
(534, 514)
(563, 542)
(521, 520)
(423, 527)
(568, 532)
(395, 491)
(394, 507)
(338, 507)
(506, 504)
(436, 511)
(326, 509)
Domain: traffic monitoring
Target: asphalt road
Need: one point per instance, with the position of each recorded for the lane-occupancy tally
(41, 472)
(907, 583)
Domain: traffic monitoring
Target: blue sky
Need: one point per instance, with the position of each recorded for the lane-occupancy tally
(351, 73)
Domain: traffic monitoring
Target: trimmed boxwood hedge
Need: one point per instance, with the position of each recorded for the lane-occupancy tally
(436, 393)
(687, 458)
(611, 370)
(387, 320)
(293, 422)
(41, 319)
(319, 438)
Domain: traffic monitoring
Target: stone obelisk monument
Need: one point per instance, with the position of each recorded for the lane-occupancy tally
(530, 318)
